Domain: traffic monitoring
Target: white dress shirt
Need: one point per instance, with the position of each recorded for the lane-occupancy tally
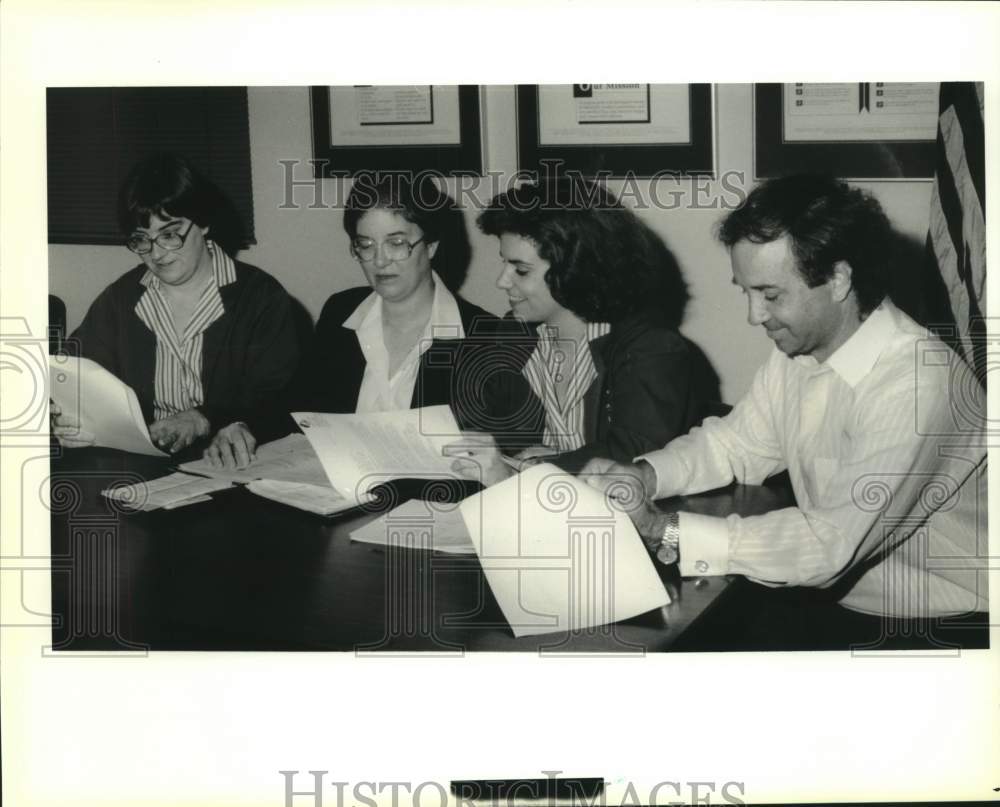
(884, 446)
(379, 391)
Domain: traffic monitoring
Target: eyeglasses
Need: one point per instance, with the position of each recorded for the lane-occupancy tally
(397, 248)
(142, 244)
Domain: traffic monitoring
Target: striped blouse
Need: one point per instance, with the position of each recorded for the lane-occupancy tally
(564, 420)
(177, 383)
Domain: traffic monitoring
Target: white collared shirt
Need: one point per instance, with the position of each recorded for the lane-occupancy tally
(884, 447)
(177, 384)
(379, 392)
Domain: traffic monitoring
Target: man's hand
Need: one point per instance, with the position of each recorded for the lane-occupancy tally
(66, 429)
(232, 447)
(178, 431)
(629, 488)
(478, 458)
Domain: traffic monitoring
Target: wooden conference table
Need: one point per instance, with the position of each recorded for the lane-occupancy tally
(244, 573)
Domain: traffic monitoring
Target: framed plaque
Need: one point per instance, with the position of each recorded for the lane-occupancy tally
(866, 130)
(397, 128)
(616, 130)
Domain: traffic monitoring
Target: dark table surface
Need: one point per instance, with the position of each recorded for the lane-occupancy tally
(244, 573)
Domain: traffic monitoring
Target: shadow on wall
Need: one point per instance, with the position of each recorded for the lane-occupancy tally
(669, 301)
(916, 286)
(454, 252)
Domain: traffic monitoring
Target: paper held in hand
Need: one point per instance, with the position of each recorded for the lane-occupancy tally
(105, 407)
(361, 451)
(558, 556)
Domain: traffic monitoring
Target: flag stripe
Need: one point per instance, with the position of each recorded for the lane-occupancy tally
(963, 96)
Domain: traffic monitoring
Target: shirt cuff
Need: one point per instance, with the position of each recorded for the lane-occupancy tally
(704, 545)
(667, 470)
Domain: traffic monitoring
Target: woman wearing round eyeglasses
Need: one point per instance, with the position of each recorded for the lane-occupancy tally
(203, 340)
(372, 350)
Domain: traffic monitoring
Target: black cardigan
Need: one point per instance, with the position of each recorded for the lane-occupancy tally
(249, 354)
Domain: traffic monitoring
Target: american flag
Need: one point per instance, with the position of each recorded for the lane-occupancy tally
(957, 235)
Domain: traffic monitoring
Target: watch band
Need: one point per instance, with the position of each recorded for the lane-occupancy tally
(669, 549)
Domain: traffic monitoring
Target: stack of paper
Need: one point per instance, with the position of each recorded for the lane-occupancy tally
(286, 471)
(168, 492)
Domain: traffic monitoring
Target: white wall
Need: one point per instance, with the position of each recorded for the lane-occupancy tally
(307, 250)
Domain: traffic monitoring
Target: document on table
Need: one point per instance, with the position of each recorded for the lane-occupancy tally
(286, 471)
(290, 459)
(417, 524)
(360, 451)
(168, 492)
(557, 555)
(105, 406)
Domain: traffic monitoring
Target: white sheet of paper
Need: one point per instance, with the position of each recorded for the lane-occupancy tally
(419, 525)
(169, 491)
(360, 451)
(558, 556)
(106, 407)
(290, 459)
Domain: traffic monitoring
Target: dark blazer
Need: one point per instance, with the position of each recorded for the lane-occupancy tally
(651, 386)
(455, 372)
(249, 354)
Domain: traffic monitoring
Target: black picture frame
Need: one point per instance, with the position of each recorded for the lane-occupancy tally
(868, 160)
(696, 158)
(464, 158)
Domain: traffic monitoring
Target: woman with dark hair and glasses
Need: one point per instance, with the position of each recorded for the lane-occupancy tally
(609, 375)
(203, 340)
(397, 342)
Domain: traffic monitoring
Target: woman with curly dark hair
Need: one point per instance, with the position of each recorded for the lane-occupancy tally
(609, 374)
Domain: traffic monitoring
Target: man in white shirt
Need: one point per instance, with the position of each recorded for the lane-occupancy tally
(878, 425)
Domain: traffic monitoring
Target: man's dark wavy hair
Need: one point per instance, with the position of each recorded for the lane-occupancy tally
(604, 263)
(828, 221)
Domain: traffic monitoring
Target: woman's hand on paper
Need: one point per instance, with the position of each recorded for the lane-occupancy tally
(478, 458)
(178, 431)
(66, 429)
(232, 447)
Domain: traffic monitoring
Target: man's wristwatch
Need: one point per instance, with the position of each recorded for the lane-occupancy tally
(669, 549)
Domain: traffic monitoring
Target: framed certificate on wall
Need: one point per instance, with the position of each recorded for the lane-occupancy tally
(854, 130)
(616, 130)
(396, 128)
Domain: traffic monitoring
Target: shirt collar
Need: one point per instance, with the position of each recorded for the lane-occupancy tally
(445, 321)
(595, 330)
(223, 269)
(854, 359)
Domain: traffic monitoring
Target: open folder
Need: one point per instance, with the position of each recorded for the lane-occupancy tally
(104, 406)
(558, 555)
